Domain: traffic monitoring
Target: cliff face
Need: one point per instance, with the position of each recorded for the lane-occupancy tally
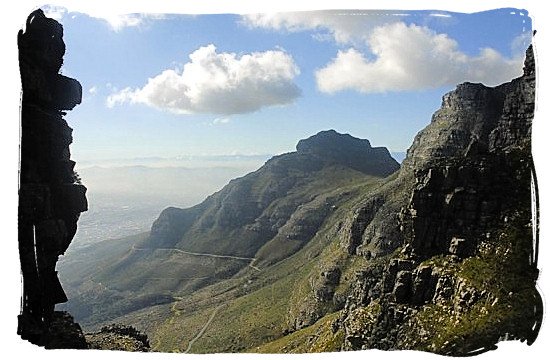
(50, 194)
(464, 276)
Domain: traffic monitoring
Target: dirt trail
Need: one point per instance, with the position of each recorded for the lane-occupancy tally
(202, 330)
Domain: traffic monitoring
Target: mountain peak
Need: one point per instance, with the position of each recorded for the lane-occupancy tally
(350, 151)
(330, 140)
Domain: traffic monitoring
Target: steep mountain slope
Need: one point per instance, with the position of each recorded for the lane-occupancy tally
(254, 221)
(238, 219)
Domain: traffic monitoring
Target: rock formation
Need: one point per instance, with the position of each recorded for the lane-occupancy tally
(51, 197)
(348, 150)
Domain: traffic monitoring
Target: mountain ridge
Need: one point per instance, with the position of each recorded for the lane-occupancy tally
(311, 157)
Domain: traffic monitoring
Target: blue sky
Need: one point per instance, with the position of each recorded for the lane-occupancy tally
(379, 77)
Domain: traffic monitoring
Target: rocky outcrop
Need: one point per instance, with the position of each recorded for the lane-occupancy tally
(51, 196)
(456, 203)
(362, 217)
(118, 337)
(64, 333)
(472, 166)
(373, 231)
(514, 125)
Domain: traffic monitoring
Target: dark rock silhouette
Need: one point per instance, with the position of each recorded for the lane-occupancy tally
(64, 333)
(51, 197)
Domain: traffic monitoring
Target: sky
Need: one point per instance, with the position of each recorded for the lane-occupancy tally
(171, 85)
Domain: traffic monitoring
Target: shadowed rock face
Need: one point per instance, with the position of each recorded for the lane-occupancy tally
(51, 197)
(470, 171)
(484, 135)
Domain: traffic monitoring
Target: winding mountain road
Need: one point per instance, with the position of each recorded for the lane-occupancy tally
(203, 254)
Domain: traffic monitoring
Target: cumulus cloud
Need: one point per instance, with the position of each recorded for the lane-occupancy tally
(411, 57)
(344, 27)
(219, 83)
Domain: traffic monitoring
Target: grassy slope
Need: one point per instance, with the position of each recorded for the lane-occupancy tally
(77, 265)
(318, 337)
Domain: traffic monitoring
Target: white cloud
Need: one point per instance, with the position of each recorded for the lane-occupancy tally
(520, 43)
(401, 57)
(54, 12)
(219, 83)
(441, 15)
(343, 26)
(120, 97)
(412, 58)
(221, 120)
(116, 20)
(93, 90)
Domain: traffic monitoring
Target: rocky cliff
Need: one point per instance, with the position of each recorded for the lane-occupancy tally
(440, 256)
(464, 275)
(50, 194)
